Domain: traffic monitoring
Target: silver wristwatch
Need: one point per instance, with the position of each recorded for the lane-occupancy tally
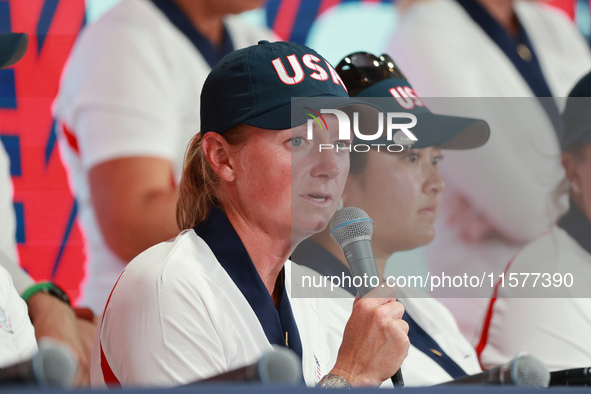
(332, 381)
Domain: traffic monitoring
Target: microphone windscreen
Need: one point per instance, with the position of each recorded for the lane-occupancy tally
(528, 371)
(350, 224)
(281, 366)
(55, 365)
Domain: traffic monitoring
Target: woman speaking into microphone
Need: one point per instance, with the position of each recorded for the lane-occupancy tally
(217, 297)
(401, 192)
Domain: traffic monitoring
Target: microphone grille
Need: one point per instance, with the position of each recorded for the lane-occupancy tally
(350, 224)
(281, 365)
(528, 371)
(55, 365)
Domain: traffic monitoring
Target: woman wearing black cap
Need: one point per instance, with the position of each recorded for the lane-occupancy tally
(401, 193)
(216, 297)
(543, 303)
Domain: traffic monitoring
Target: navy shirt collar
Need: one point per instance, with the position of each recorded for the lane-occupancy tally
(222, 239)
(178, 18)
(531, 70)
(576, 224)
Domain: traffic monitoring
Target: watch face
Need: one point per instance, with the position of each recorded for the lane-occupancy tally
(334, 382)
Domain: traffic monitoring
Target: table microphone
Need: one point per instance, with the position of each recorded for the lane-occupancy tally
(351, 228)
(571, 377)
(524, 370)
(53, 366)
(279, 366)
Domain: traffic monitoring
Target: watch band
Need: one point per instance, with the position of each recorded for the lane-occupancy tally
(47, 288)
(333, 381)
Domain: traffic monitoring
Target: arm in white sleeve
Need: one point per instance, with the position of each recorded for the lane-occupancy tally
(21, 344)
(8, 252)
(161, 336)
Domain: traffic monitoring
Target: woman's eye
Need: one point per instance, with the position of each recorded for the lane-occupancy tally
(413, 157)
(296, 141)
(341, 145)
(436, 160)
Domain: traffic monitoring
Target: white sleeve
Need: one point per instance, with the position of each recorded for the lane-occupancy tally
(116, 94)
(563, 52)
(553, 327)
(434, 63)
(161, 334)
(8, 252)
(17, 335)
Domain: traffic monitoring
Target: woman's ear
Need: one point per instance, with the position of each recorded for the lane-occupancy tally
(216, 150)
(571, 169)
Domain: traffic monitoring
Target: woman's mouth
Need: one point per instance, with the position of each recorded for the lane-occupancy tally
(319, 199)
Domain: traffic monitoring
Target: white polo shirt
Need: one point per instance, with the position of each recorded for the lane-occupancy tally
(177, 315)
(17, 335)
(555, 326)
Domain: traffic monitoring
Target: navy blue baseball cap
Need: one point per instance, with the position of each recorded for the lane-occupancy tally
(261, 84)
(577, 117)
(372, 78)
(12, 48)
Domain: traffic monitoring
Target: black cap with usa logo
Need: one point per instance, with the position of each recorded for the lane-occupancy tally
(378, 80)
(257, 86)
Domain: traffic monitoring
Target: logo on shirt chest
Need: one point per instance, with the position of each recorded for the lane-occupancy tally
(5, 321)
(318, 370)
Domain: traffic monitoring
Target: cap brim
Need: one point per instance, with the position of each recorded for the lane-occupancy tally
(297, 112)
(450, 132)
(447, 132)
(12, 48)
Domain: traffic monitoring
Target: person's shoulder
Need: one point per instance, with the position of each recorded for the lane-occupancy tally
(541, 251)
(566, 243)
(244, 34)
(540, 8)
(185, 258)
(5, 283)
(413, 39)
(134, 21)
(538, 12)
(435, 11)
(130, 13)
(552, 265)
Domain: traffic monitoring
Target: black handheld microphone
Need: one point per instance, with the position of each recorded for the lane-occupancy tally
(571, 377)
(53, 366)
(351, 228)
(524, 370)
(279, 366)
